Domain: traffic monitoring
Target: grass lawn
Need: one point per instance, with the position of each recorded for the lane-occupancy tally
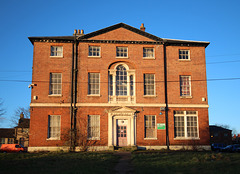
(82, 162)
(186, 162)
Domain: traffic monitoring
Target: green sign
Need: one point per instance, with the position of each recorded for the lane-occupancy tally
(161, 126)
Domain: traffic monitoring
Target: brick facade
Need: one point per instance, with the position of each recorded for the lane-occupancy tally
(119, 35)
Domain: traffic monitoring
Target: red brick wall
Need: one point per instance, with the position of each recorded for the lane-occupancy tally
(196, 68)
(43, 65)
(134, 60)
(38, 135)
(161, 134)
(39, 125)
(203, 126)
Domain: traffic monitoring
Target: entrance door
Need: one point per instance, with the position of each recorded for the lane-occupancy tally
(122, 135)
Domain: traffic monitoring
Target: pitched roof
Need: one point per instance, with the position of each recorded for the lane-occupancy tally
(217, 128)
(7, 132)
(120, 25)
(83, 38)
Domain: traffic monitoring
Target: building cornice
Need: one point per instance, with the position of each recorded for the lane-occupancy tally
(122, 42)
(172, 43)
(120, 104)
(87, 38)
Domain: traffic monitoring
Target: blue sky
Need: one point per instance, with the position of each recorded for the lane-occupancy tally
(216, 21)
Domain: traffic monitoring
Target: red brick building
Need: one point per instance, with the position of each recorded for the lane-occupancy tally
(118, 86)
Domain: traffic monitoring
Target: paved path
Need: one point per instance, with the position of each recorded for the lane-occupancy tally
(124, 164)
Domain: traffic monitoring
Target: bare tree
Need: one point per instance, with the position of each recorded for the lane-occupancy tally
(16, 115)
(2, 110)
(80, 136)
(223, 126)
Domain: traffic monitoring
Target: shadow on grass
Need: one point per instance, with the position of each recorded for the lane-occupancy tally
(186, 162)
(82, 162)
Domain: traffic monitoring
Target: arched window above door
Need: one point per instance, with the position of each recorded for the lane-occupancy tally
(121, 84)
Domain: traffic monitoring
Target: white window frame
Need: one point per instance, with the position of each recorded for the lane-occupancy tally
(54, 84)
(121, 81)
(122, 50)
(93, 82)
(146, 54)
(184, 54)
(56, 51)
(57, 130)
(113, 97)
(94, 131)
(183, 91)
(147, 126)
(185, 115)
(148, 82)
(94, 49)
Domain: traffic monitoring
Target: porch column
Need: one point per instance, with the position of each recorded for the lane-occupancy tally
(133, 130)
(110, 131)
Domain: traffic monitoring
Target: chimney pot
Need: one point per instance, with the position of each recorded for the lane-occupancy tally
(21, 115)
(142, 28)
(82, 32)
(75, 31)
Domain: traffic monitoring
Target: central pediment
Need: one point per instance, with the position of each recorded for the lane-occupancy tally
(121, 32)
(123, 109)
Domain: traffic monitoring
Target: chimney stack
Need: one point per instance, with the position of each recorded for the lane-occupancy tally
(142, 28)
(78, 32)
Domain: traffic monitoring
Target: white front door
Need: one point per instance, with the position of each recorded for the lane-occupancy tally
(121, 127)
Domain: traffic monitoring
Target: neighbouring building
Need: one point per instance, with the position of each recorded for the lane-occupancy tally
(219, 134)
(236, 139)
(118, 86)
(22, 131)
(18, 134)
(7, 136)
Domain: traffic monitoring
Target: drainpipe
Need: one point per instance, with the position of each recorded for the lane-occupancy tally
(71, 106)
(75, 90)
(73, 109)
(166, 93)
